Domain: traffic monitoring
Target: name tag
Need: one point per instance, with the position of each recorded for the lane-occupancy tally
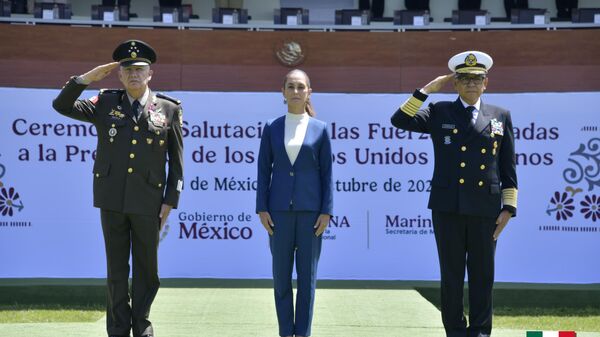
(448, 126)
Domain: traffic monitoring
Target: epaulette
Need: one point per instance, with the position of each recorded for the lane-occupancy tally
(111, 91)
(168, 98)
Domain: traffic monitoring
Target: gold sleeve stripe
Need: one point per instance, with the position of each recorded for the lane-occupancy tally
(411, 106)
(509, 197)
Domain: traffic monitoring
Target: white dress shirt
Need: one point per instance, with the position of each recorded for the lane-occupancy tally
(295, 131)
(477, 105)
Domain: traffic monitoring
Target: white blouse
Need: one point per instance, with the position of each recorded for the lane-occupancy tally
(295, 130)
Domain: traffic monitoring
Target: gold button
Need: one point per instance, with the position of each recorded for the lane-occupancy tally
(161, 142)
(291, 174)
(463, 164)
(496, 144)
(113, 125)
(97, 175)
(136, 128)
(455, 131)
(461, 180)
(480, 183)
(133, 141)
(492, 135)
(159, 185)
(482, 167)
(132, 155)
(130, 170)
(463, 148)
(157, 132)
(483, 151)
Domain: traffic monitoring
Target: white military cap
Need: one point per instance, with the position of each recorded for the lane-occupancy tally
(471, 62)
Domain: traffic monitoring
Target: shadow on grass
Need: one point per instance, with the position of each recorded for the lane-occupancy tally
(509, 302)
(532, 302)
(268, 284)
(53, 297)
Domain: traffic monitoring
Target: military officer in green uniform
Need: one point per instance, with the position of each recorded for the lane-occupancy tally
(139, 131)
(473, 189)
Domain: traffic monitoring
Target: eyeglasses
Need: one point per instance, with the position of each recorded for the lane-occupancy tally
(465, 80)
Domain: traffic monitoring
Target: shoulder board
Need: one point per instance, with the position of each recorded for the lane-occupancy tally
(168, 98)
(112, 91)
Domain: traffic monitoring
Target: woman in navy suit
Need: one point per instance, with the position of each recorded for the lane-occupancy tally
(294, 200)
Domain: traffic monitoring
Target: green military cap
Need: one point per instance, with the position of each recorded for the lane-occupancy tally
(134, 53)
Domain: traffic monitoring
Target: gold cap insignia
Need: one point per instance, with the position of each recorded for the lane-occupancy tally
(470, 60)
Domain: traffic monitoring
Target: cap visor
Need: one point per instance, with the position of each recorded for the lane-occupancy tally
(471, 71)
(134, 63)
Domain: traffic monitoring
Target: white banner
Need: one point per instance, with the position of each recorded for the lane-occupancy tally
(381, 229)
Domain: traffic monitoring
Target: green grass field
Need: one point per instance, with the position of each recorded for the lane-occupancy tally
(539, 309)
(245, 308)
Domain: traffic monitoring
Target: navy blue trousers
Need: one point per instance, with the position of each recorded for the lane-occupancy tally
(294, 236)
(465, 240)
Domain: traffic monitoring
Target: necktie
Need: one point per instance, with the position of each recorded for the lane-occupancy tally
(470, 110)
(135, 108)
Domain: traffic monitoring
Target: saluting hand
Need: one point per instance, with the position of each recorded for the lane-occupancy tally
(98, 73)
(321, 224)
(265, 220)
(437, 84)
(501, 222)
(164, 214)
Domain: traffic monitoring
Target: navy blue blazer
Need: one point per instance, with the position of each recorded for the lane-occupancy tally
(475, 165)
(305, 186)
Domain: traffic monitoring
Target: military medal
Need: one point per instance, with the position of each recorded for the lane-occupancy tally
(157, 118)
(112, 132)
(497, 127)
(447, 140)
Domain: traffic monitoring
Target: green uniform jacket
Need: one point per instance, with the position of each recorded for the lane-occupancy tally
(475, 165)
(129, 171)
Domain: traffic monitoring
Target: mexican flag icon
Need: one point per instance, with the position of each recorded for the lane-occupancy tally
(551, 334)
